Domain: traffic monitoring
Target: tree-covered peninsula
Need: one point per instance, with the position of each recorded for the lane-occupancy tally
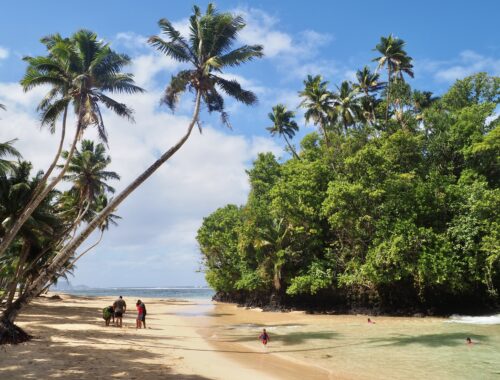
(392, 206)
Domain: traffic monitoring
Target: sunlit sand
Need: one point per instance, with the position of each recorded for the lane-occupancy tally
(201, 340)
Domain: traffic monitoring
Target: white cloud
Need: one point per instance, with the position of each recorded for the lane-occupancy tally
(131, 40)
(4, 53)
(292, 53)
(155, 242)
(467, 63)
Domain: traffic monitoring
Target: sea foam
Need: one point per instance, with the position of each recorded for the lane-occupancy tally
(481, 320)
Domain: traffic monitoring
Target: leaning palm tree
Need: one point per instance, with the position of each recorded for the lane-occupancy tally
(394, 57)
(6, 150)
(208, 51)
(318, 102)
(283, 125)
(80, 71)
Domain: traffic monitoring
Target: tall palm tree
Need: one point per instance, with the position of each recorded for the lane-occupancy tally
(80, 71)
(394, 57)
(283, 125)
(369, 83)
(318, 102)
(347, 107)
(7, 149)
(208, 51)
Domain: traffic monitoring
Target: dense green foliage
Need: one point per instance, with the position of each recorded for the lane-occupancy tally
(403, 214)
(55, 220)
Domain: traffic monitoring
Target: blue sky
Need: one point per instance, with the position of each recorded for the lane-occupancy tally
(154, 245)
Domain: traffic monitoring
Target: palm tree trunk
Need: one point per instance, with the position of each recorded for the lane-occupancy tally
(327, 142)
(293, 150)
(88, 249)
(13, 285)
(9, 315)
(47, 174)
(31, 207)
(70, 265)
(388, 97)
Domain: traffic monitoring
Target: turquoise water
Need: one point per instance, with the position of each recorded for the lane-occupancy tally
(172, 292)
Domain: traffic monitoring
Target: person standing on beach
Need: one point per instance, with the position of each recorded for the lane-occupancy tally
(141, 314)
(120, 308)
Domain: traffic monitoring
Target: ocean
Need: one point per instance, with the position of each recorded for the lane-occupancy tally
(170, 292)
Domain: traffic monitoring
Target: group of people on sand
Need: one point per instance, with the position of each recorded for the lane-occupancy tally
(115, 313)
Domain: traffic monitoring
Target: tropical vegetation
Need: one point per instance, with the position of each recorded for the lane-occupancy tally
(393, 206)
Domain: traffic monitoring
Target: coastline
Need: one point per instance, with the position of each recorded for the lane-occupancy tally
(71, 342)
(201, 339)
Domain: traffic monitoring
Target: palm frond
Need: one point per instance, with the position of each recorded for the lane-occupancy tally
(178, 84)
(241, 55)
(233, 88)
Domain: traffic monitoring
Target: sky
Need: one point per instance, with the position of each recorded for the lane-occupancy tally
(154, 244)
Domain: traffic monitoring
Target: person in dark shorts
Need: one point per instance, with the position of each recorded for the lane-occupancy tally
(264, 337)
(108, 313)
(120, 308)
(141, 314)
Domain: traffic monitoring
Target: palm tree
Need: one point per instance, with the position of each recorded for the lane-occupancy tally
(347, 107)
(7, 149)
(16, 190)
(208, 51)
(318, 102)
(422, 100)
(87, 172)
(80, 71)
(397, 61)
(369, 83)
(283, 125)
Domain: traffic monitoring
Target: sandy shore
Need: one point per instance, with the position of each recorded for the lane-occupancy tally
(181, 342)
(198, 340)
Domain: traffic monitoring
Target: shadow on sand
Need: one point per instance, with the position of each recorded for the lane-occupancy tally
(88, 355)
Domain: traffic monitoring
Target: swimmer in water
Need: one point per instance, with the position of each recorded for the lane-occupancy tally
(469, 341)
(264, 337)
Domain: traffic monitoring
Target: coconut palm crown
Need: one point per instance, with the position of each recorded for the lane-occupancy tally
(283, 125)
(318, 102)
(80, 70)
(208, 51)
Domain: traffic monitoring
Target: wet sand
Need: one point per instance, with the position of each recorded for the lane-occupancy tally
(203, 340)
(71, 342)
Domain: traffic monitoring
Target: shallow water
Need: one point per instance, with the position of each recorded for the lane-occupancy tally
(172, 292)
(392, 348)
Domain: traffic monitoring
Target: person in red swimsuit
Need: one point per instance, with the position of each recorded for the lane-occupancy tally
(141, 315)
(264, 337)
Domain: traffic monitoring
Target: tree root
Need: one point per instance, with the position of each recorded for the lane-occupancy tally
(12, 334)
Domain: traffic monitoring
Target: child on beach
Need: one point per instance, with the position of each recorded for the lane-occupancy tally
(141, 315)
(370, 321)
(264, 337)
(108, 313)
